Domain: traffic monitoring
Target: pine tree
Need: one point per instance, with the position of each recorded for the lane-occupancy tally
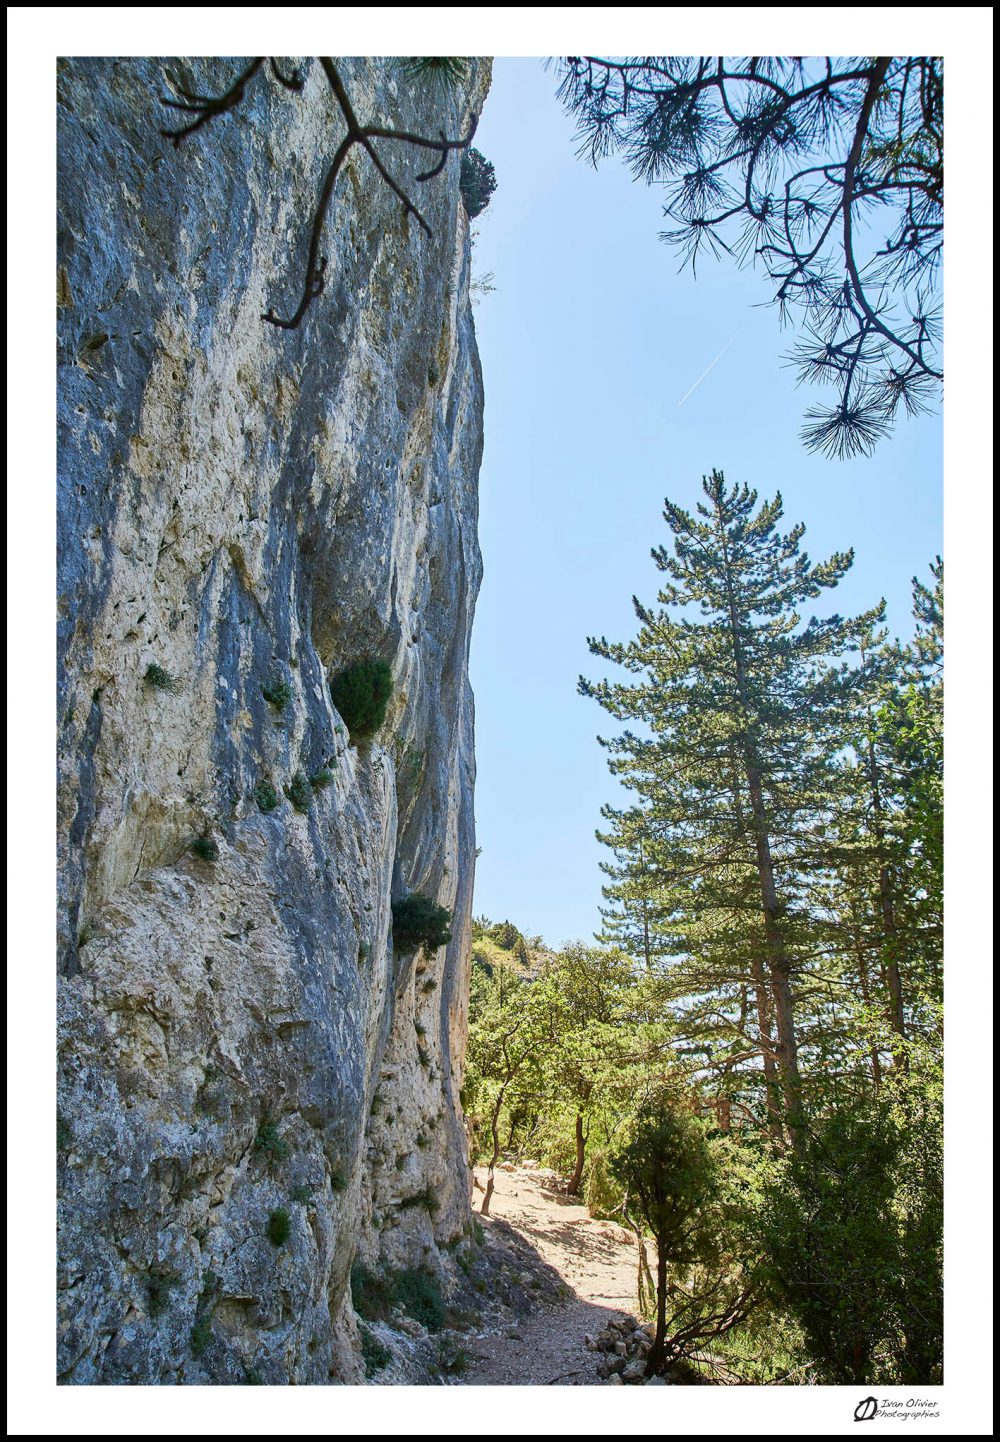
(744, 707)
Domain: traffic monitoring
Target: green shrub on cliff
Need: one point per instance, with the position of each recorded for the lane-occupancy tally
(204, 848)
(299, 792)
(279, 1227)
(361, 694)
(418, 921)
(477, 182)
(265, 795)
(159, 679)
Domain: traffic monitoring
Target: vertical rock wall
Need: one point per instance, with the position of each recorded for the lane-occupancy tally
(247, 509)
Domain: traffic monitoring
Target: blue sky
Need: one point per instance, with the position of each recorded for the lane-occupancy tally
(589, 342)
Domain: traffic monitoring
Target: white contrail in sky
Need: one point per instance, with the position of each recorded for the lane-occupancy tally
(709, 367)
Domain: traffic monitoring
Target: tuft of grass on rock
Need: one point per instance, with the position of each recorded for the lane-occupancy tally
(159, 679)
(204, 848)
(277, 694)
(321, 779)
(299, 792)
(265, 795)
(201, 1336)
(64, 1134)
(426, 1198)
(269, 1141)
(279, 1227)
(159, 1284)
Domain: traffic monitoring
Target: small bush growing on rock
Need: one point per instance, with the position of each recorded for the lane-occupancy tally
(269, 1141)
(374, 1353)
(204, 848)
(338, 1179)
(64, 1134)
(433, 376)
(361, 694)
(158, 1287)
(419, 1294)
(371, 1293)
(426, 1198)
(159, 679)
(277, 694)
(455, 1363)
(265, 796)
(201, 1336)
(477, 182)
(413, 1291)
(252, 1378)
(424, 1055)
(418, 921)
(322, 778)
(303, 1194)
(279, 1227)
(299, 792)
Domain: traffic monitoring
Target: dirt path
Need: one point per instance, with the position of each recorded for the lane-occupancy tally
(596, 1259)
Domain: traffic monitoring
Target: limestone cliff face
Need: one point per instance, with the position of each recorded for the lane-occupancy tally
(243, 506)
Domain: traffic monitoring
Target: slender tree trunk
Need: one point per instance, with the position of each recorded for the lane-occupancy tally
(864, 982)
(646, 947)
(778, 963)
(495, 1157)
(772, 1089)
(658, 1352)
(581, 1142)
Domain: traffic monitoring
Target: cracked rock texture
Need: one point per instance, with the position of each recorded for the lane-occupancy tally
(242, 506)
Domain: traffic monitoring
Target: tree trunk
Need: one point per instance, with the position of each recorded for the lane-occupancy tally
(859, 945)
(778, 961)
(495, 1132)
(779, 965)
(657, 1355)
(581, 1142)
(772, 1090)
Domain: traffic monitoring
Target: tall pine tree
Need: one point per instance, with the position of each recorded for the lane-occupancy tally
(743, 706)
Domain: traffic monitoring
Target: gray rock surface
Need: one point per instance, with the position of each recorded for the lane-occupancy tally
(243, 506)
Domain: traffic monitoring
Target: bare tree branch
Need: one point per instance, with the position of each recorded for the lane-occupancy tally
(207, 108)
